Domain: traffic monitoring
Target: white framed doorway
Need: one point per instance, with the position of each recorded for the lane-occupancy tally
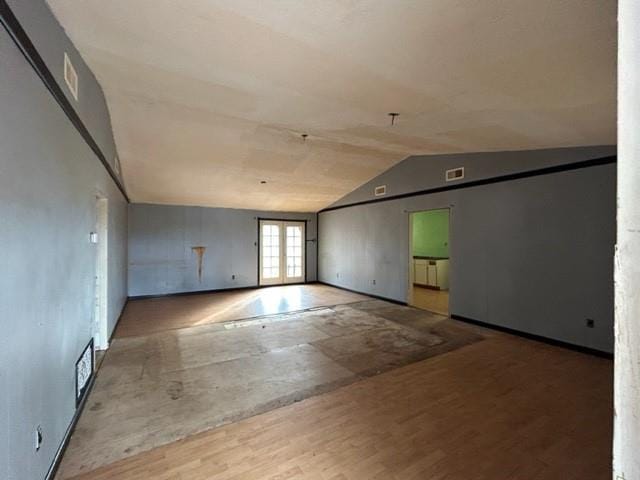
(281, 251)
(101, 323)
(429, 260)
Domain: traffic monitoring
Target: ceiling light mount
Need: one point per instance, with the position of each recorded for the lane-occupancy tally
(304, 137)
(263, 182)
(393, 116)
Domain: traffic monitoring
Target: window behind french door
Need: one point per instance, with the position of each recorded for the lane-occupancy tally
(282, 245)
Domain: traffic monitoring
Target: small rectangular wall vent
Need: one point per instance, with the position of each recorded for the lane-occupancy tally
(380, 190)
(454, 174)
(70, 76)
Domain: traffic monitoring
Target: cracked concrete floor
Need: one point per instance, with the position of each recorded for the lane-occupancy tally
(155, 389)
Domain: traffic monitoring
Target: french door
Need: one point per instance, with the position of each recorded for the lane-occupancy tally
(282, 250)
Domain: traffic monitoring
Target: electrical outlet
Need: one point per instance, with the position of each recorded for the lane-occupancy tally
(373, 282)
(233, 277)
(590, 323)
(38, 437)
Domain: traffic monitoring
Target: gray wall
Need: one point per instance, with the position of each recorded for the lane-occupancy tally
(422, 172)
(49, 179)
(51, 41)
(534, 254)
(161, 237)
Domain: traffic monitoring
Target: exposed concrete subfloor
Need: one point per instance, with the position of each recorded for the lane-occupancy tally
(155, 389)
(145, 316)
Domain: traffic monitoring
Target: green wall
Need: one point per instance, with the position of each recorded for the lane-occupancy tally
(431, 233)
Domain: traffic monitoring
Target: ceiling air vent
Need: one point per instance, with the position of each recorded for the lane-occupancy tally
(380, 190)
(454, 174)
(70, 76)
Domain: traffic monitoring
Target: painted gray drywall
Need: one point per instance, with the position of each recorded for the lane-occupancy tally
(161, 238)
(533, 254)
(49, 179)
(52, 42)
(422, 172)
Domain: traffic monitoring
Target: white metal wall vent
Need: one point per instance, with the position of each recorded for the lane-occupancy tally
(454, 174)
(70, 76)
(85, 367)
(380, 190)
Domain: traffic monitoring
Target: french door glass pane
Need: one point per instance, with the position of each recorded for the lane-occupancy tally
(294, 251)
(270, 251)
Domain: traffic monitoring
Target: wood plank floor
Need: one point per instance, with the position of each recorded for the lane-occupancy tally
(503, 408)
(170, 385)
(432, 300)
(151, 315)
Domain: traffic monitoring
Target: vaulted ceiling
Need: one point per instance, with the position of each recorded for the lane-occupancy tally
(210, 97)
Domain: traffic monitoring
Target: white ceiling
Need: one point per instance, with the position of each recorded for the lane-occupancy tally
(209, 97)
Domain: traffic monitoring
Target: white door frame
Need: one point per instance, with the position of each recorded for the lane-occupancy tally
(410, 260)
(282, 278)
(303, 244)
(410, 215)
(101, 321)
(276, 280)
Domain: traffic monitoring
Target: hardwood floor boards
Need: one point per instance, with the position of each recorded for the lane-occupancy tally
(151, 315)
(503, 408)
(170, 385)
(432, 300)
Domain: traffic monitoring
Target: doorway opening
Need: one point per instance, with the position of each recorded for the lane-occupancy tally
(429, 260)
(101, 324)
(281, 252)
